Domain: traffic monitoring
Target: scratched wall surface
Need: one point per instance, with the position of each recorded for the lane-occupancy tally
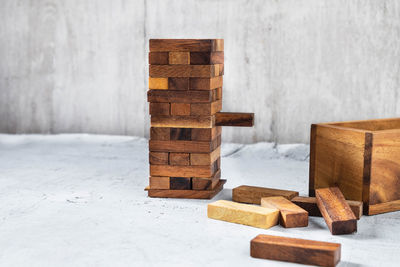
(81, 66)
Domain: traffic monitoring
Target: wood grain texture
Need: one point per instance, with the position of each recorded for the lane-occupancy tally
(169, 96)
(159, 182)
(251, 215)
(175, 83)
(199, 183)
(158, 158)
(183, 121)
(179, 58)
(206, 108)
(184, 134)
(206, 58)
(310, 205)
(295, 250)
(186, 45)
(159, 133)
(290, 215)
(205, 83)
(180, 183)
(158, 58)
(205, 158)
(205, 71)
(253, 194)
(203, 134)
(158, 83)
(184, 146)
(182, 159)
(180, 109)
(160, 109)
(234, 119)
(183, 171)
(335, 210)
(197, 194)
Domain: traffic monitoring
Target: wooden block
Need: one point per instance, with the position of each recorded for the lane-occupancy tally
(206, 109)
(158, 83)
(158, 158)
(181, 146)
(202, 134)
(197, 194)
(243, 214)
(179, 96)
(186, 45)
(178, 83)
(158, 58)
(234, 119)
(205, 158)
(182, 171)
(335, 210)
(219, 93)
(205, 83)
(310, 205)
(186, 70)
(159, 182)
(206, 58)
(253, 194)
(161, 134)
(183, 121)
(179, 58)
(180, 183)
(182, 134)
(206, 183)
(160, 109)
(180, 109)
(181, 159)
(290, 215)
(295, 250)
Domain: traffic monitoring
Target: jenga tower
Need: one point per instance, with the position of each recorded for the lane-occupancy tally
(185, 95)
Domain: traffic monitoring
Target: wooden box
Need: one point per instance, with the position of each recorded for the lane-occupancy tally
(362, 158)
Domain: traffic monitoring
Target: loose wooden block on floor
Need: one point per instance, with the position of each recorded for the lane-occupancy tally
(243, 214)
(295, 250)
(290, 215)
(310, 205)
(253, 194)
(337, 213)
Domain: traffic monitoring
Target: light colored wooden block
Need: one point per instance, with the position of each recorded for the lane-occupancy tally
(179, 58)
(158, 83)
(253, 194)
(204, 158)
(243, 214)
(290, 215)
(159, 182)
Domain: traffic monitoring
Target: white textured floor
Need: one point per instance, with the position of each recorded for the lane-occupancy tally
(78, 200)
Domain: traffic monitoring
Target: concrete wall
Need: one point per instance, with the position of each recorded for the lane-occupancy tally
(81, 66)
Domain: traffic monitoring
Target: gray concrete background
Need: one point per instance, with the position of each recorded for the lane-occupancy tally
(81, 66)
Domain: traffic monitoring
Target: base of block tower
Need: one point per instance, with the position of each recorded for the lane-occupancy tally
(195, 194)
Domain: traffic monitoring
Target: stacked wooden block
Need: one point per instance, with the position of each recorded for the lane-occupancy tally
(185, 93)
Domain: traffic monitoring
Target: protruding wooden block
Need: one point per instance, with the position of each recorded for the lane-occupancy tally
(206, 58)
(253, 194)
(181, 159)
(243, 214)
(199, 183)
(335, 210)
(206, 108)
(158, 83)
(290, 215)
(160, 109)
(234, 119)
(159, 133)
(159, 182)
(169, 96)
(183, 171)
(175, 83)
(158, 158)
(180, 183)
(158, 58)
(180, 109)
(295, 250)
(186, 45)
(183, 121)
(205, 158)
(179, 58)
(206, 83)
(310, 205)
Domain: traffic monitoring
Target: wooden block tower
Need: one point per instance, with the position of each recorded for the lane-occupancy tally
(185, 95)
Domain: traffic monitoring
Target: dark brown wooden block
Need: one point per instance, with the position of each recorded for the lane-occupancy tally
(200, 134)
(185, 146)
(158, 58)
(180, 183)
(186, 70)
(182, 159)
(206, 58)
(205, 83)
(199, 194)
(182, 171)
(179, 58)
(290, 215)
(310, 205)
(206, 109)
(335, 210)
(158, 133)
(178, 83)
(158, 158)
(295, 250)
(160, 109)
(182, 134)
(180, 109)
(206, 183)
(234, 119)
(179, 96)
(159, 182)
(183, 121)
(186, 45)
(253, 194)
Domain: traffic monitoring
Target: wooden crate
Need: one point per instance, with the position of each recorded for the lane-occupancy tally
(362, 158)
